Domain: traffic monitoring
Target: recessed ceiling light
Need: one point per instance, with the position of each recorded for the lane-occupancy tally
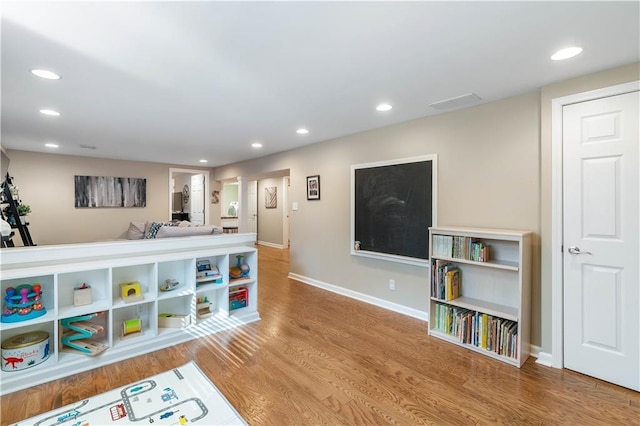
(51, 145)
(49, 112)
(567, 53)
(256, 145)
(302, 131)
(46, 74)
(204, 161)
(383, 107)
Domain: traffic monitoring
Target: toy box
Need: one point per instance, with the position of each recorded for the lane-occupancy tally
(82, 295)
(173, 320)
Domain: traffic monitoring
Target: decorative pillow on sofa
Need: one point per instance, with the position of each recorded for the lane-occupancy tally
(183, 231)
(136, 231)
(155, 227)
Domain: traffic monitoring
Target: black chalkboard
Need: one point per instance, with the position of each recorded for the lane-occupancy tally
(393, 208)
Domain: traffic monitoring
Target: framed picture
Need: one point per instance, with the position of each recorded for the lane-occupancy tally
(107, 191)
(271, 197)
(393, 204)
(313, 187)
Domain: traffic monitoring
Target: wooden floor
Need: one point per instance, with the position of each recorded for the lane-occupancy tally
(317, 358)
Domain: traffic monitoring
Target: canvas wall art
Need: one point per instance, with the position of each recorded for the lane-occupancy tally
(271, 197)
(107, 191)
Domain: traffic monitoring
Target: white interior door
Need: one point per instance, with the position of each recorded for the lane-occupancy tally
(252, 206)
(196, 215)
(601, 245)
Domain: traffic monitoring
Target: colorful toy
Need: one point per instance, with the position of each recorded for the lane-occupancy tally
(241, 270)
(131, 326)
(131, 291)
(169, 284)
(238, 298)
(80, 329)
(203, 308)
(23, 303)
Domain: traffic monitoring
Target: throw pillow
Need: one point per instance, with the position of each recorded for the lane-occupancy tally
(183, 231)
(136, 231)
(155, 226)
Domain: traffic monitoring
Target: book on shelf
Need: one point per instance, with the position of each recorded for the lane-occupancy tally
(446, 280)
(453, 284)
(478, 329)
(460, 247)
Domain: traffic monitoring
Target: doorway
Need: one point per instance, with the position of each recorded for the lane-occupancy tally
(188, 195)
(270, 225)
(595, 242)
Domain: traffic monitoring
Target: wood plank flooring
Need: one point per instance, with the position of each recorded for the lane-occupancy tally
(317, 358)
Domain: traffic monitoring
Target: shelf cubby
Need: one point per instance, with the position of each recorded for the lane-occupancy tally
(98, 281)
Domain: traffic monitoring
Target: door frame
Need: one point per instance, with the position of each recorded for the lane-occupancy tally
(192, 172)
(285, 211)
(557, 230)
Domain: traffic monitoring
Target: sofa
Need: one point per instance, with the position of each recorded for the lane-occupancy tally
(150, 230)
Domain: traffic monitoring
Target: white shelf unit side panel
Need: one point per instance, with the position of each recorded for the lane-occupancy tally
(524, 325)
(500, 288)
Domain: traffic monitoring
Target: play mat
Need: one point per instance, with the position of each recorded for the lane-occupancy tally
(181, 396)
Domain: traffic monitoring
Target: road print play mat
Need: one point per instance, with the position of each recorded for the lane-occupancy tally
(182, 396)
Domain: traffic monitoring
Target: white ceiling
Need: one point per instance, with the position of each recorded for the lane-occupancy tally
(174, 82)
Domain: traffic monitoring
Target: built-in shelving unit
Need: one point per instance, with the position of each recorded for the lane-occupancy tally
(480, 297)
(103, 267)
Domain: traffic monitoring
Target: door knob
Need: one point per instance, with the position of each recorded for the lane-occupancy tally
(576, 250)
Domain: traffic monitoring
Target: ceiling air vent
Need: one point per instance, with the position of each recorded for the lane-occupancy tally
(457, 102)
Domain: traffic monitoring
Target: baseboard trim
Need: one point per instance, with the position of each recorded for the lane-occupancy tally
(545, 359)
(401, 309)
(268, 244)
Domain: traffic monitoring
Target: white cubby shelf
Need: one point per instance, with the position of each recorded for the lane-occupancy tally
(486, 308)
(103, 266)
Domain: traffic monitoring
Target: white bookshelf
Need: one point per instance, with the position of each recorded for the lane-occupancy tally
(496, 292)
(103, 267)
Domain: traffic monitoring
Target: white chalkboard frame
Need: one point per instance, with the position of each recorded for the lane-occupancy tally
(359, 251)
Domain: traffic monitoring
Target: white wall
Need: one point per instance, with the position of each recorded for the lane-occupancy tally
(488, 174)
(494, 171)
(46, 183)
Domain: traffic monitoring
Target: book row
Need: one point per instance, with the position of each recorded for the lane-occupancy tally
(446, 281)
(481, 330)
(460, 247)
